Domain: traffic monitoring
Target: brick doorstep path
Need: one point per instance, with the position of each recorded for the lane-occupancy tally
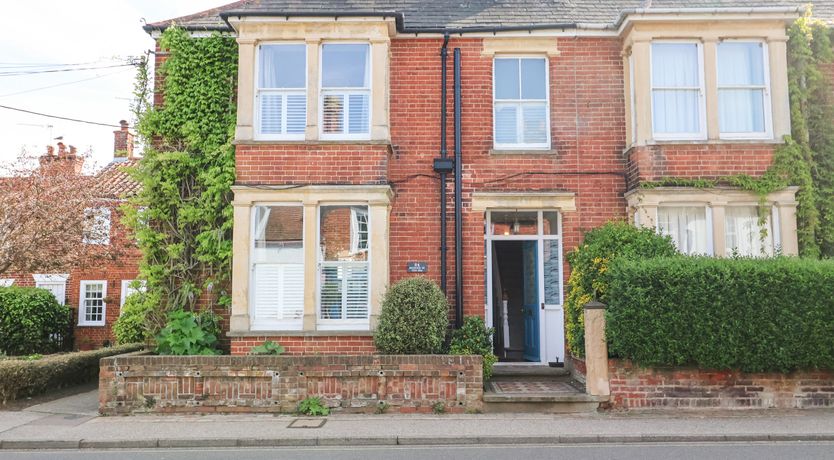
(36, 430)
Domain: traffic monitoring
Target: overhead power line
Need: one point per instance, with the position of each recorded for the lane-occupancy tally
(76, 120)
(62, 84)
(73, 69)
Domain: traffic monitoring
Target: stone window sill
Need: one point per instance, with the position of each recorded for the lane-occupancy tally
(299, 333)
(312, 142)
(504, 152)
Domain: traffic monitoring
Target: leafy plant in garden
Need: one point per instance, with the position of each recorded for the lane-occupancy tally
(313, 406)
(30, 319)
(182, 217)
(589, 270)
(132, 325)
(474, 338)
(188, 333)
(267, 348)
(414, 318)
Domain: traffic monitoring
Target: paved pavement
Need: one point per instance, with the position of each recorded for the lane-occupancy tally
(69, 423)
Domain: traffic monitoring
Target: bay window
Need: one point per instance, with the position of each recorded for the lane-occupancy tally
(687, 226)
(746, 234)
(520, 112)
(677, 88)
(743, 95)
(345, 91)
(278, 267)
(281, 91)
(344, 269)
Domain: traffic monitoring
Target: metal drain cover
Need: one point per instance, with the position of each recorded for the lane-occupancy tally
(307, 423)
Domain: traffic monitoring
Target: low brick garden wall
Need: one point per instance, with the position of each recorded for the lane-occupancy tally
(635, 387)
(225, 384)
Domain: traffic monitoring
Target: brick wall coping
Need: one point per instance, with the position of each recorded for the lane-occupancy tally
(145, 358)
(299, 333)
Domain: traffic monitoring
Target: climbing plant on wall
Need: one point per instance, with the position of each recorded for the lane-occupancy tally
(183, 217)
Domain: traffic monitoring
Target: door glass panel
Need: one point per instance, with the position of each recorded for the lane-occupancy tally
(514, 223)
(552, 272)
(550, 223)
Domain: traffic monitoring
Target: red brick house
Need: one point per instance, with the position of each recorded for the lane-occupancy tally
(97, 293)
(351, 173)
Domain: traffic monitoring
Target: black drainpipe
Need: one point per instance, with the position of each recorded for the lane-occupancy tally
(442, 164)
(458, 210)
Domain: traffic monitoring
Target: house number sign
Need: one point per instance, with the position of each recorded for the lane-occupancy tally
(418, 267)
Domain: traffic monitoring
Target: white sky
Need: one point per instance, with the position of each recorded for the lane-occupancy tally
(74, 31)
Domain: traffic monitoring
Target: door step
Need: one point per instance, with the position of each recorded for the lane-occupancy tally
(528, 370)
(538, 394)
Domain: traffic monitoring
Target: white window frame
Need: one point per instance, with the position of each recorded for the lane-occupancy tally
(105, 236)
(702, 106)
(707, 221)
(126, 287)
(355, 242)
(6, 282)
(767, 105)
(342, 324)
(283, 91)
(42, 280)
(771, 222)
(346, 92)
(276, 325)
(520, 102)
(82, 308)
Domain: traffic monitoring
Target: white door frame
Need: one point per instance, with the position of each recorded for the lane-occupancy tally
(552, 344)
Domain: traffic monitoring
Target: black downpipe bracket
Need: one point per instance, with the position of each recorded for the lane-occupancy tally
(458, 204)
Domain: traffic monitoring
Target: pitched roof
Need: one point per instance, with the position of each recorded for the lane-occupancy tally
(114, 181)
(424, 15)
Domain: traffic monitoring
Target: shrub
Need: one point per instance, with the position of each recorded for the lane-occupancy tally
(474, 338)
(414, 318)
(132, 325)
(267, 348)
(27, 377)
(589, 265)
(31, 321)
(746, 314)
(189, 333)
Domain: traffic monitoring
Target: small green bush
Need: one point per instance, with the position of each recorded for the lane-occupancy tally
(747, 314)
(132, 325)
(313, 406)
(20, 378)
(30, 321)
(414, 318)
(589, 266)
(474, 338)
(189, 333)
(267, 348)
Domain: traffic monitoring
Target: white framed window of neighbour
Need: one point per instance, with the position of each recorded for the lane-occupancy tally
(96, 226)
(6, 282)
(130, 287)
(281, 95)
(277, 267)
(344, 268)
(520, 103)
(690, 228)
(345, 99)
(92, 306)
(56, 284)
(744, 109)
(744, 233)
(678, 106)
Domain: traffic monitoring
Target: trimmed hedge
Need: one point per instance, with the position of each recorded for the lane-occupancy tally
(414, 318)
(754, 315)
(31, 321)
(23, 377)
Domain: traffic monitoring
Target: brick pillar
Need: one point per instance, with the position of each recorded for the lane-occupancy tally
(596, 350)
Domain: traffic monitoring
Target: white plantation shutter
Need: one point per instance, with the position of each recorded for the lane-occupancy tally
(344, 272)
(345, 90)
(282, 95)
(278, 296)
(521, 103)
(344, 291)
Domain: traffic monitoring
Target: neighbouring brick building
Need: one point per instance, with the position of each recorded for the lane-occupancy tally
(96, 293)
(564, 108)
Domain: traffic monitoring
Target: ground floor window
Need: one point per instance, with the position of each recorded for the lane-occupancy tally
(746, 234)
(6, 282)
(92, 305)
(56, 284)
(687, 226)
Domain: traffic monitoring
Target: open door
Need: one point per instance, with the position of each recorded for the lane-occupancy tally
(530, 306)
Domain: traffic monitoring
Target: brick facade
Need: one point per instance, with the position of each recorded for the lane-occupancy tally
(228, 384)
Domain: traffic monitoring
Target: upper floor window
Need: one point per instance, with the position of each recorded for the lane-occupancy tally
(96, 226)
(743, 93)
(282, 91)
(521, 115)
(678, 110)
(345, 91)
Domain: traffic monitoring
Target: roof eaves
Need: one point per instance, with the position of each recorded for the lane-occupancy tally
(624, 14)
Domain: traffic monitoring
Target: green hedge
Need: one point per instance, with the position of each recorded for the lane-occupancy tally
(754, 315)
(414, 318)
(23, 377)
(31, 321)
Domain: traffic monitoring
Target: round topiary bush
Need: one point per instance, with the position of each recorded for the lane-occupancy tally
(31, 321)
(414, 319)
